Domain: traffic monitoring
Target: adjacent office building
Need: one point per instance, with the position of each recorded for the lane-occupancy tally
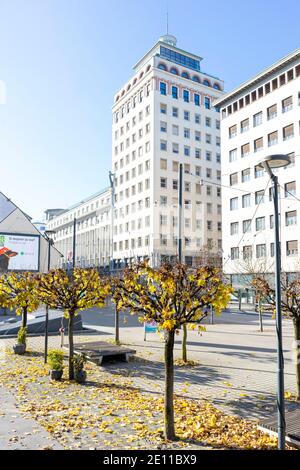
(92, 231)
(165, 116)
(259, 118)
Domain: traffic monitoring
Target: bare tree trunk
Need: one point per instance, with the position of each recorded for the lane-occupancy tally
(296, 323)
(260, 314)
(184, 339)
(24, 317)
(117, 326)
(169, 385)
(71, 345)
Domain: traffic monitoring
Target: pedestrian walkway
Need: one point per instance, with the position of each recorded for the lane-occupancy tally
(18, 432)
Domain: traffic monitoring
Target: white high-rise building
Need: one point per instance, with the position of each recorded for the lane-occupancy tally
(163, 116)
(260, 118)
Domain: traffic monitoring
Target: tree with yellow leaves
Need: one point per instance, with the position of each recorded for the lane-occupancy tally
(290, 305)
(72, 292)
(20, 291)
(172, 296)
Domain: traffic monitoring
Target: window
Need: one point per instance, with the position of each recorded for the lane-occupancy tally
(246, 225)
(258, 171)
(232, 131)
(175, 148)
(292, 248)
(257, 119)
(175, 112)
(186, 96)
(208, 138)
(186, 115)
(288, 132)
(163, 126)
(246, 200)
(292, 158)
(186, 151)
(186, 133)
(245, 150)
(163, 88)
(175, 166)
(208, 156)
(197, 136)
(175, 92)
(233, 203)
(198, 170)
(247, 252)
(258, 144)
(175, 130)
(272, 138)
(245, 125)
(208, 122)
(233, 155)
(259, 197)
(272, 112)
(197, 153)
(175, 184)
(234, 228)
(287, 104)
(197, 118)
(261, 251)
(197, 99)
(233, 179)
(163, 164)
(246, 175)
(234, 252)
(290, 189)
(207, 104)
(163, 182)
(260, 223)
(163, 145)
(291, 218)
(163, 108)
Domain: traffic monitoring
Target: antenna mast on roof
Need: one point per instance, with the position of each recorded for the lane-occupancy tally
(167, 22)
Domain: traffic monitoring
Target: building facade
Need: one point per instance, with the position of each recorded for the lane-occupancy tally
(93, 231)
(260, 118)
(164, 116)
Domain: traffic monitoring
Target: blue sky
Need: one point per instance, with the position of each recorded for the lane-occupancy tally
(63, 60)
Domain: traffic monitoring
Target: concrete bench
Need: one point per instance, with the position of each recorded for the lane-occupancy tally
(98, 350)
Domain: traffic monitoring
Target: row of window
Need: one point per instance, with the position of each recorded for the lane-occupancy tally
(291, 249)
(186, 114)
(134, 81)
(261, 91)
(132, 208)
(132, 122)
(245, 175)
(260, 223)
(258, 144)
(175, 128)
(139, 242)
(187, 168)
(187, 151)
(135, 189)
(187, 186)
(187, 96)
(257, 119)
(289, 190)
(189, 242)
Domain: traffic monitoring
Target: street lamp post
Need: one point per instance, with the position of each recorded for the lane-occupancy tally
(269, 163)
(48, 234)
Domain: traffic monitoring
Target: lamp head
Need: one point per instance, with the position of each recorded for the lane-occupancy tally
(275, 161)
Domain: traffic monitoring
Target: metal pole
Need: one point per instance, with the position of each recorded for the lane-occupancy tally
(280, 360)
(47, 309)
(180, 190)
(74, 242)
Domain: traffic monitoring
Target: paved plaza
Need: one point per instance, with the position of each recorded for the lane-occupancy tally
(235, 367)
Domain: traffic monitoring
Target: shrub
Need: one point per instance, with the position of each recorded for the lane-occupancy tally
(55, 359)
(22, 334)
(78, 362)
